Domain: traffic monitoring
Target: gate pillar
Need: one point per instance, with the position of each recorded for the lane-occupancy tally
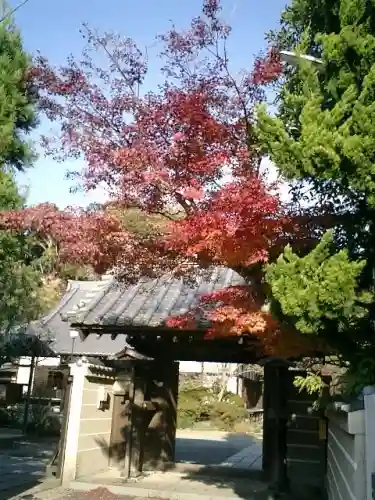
(120, 439)
(145, 417)
(275, 423)
(306, 456)
(127, 419)
(160, 414)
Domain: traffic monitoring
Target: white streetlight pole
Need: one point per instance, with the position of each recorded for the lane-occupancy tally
(74, 334)
(293, 59)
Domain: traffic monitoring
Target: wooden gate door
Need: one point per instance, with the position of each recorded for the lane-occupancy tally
(306, 450)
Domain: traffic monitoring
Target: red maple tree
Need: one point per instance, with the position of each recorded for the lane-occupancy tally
(186, 151)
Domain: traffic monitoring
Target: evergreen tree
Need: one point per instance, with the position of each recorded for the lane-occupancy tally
(17, 99)
(19, 280)
(323, 139)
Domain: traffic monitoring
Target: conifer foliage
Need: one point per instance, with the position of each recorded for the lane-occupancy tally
(323, 140)
(19, 279)
(17, 97)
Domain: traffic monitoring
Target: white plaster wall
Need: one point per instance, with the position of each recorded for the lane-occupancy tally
(23, 371)
(369, 399)
(208, 367)
(190, 367)
(233, 385)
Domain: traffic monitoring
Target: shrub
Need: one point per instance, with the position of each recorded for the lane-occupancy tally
(193, 406)
(227, 412)
(201, 404)
(5, 418)
(15, 412)
(42, 422)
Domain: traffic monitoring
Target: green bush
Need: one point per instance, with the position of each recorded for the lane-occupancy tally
(226, 413)
(201, 404)
(5, 418)
(42, 422)
(15, 412)
(193, 406)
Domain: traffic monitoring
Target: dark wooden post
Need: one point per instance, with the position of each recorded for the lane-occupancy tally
(275, 423)
(171, 399)
(55, 467)
(268, 420)
(137, 425)
(252, 392)
(28, 394)
(121, 418)
(161, 415)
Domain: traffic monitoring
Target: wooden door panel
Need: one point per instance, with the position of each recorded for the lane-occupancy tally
(306, 437)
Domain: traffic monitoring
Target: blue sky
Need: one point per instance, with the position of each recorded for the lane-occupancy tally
(53, 28)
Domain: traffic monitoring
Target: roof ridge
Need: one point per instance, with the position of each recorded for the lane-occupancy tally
(87, 303)
(69, 293)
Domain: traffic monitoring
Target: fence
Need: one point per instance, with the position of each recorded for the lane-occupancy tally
(351, 449)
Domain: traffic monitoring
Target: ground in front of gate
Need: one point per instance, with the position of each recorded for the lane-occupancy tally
(212, 465)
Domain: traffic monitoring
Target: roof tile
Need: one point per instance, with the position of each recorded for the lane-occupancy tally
(150, 302)
(56, 332)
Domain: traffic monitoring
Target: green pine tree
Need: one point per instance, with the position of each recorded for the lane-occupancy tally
(17, 99)
(323, 140)
(19, 279)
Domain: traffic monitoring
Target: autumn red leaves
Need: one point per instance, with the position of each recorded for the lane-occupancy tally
(186, 151)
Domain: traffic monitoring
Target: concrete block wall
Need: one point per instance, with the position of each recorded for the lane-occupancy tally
(346, 454)
(95, 428)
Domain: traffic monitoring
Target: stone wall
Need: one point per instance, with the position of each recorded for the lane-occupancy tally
(95, 427)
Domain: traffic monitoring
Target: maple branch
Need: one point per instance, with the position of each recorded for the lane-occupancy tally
(172, 153)
(113, 59)
(243, 104)
(104, 119)
(181, 200)
(164, 214)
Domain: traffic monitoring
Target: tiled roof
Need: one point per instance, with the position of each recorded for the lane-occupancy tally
(148, 303)
(56, 331)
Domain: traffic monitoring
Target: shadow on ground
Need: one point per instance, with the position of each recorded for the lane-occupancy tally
(210, 451)
(245, 485)
(200, 469)
(18, 490)
(22, 465)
